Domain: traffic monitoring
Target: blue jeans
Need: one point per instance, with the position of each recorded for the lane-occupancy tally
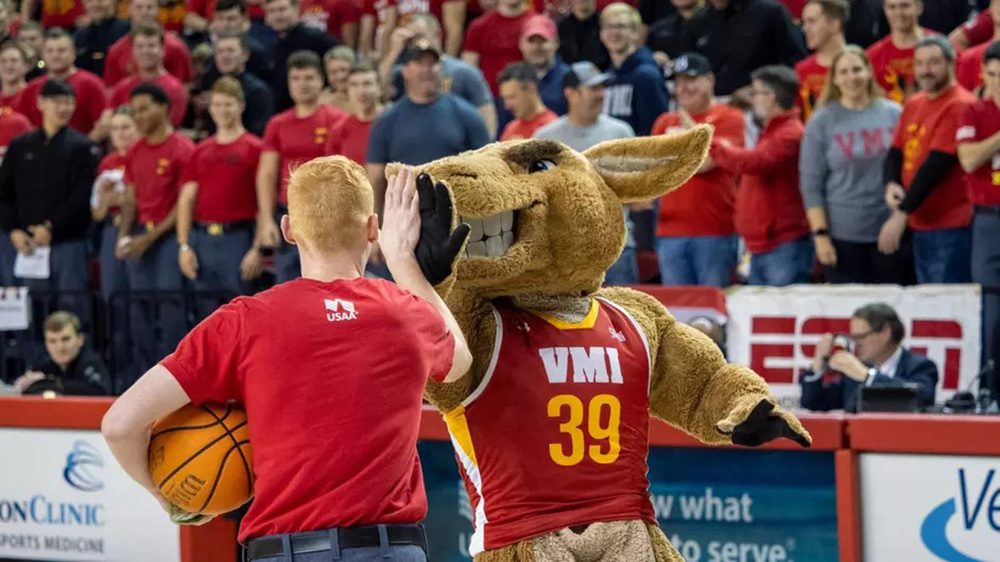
(625, 271)
(787, 264)
(397, 553)
(943, 256)
(696, 260)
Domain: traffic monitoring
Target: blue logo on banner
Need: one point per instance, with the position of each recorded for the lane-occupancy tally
(932, 531)
(79, 465)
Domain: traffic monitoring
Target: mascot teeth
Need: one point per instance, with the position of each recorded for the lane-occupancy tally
(490, 237)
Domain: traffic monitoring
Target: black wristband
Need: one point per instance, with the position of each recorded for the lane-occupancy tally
(821, 232)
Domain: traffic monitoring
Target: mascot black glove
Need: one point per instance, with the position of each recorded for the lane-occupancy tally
(761, 427)
(438, 245)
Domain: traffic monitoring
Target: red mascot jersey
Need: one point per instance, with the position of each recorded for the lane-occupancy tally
(556, 433)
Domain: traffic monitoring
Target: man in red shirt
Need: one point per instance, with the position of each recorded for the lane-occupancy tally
(969, 70)
(978, 150)
(176, 57)
(925, 185)
(823, 23)
(364, 96)
(329, 467)
(146, 236)
(59, 54)
(14, 66)
(519, 92)
(147, 52)
(892, 56)
(218, 202)
(292, 137)
(62, 14)
(493, 39)
(696, 238)
(770, 216)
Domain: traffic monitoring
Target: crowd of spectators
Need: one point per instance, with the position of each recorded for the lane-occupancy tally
(856, 141)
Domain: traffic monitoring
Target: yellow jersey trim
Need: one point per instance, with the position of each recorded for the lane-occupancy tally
(588, 321)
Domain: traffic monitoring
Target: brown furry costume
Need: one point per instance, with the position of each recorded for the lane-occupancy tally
(569, 230)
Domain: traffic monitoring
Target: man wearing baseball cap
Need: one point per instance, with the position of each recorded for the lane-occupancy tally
(695, 236)
(585, 125)
(540, 47)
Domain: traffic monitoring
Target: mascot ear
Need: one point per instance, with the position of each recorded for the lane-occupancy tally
(644, 168)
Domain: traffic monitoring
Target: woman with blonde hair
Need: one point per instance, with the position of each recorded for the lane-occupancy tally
(841, 173)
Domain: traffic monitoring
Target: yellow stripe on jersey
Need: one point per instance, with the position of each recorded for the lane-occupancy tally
(588, 321)
(458, 427)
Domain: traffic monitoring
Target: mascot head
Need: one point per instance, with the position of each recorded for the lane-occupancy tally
(547, 219)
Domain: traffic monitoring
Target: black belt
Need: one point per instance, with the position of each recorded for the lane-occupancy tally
(350, 537)
(220, 228)
(987, 209)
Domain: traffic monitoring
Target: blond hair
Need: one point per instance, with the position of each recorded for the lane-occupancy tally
(621, 8)
(830, 90)
(229, 86)
(329, 203)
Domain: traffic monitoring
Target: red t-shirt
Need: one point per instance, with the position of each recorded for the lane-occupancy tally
(333, 415)
(377, 8)
(329, 16)
(226, 175)
(91, 100)
(495, 39)
(154, 172)
(299, 139)
(176, 93)
(525, 128)
(61, 13)
(11, 125)
(812, 77)
(980, 29)
(969, 69)
(981, 121)
(931, 124)
(556, 376)
(795, 7)
(351, 139)
(704, 206)
(171, 16)
(893, 67)
(176, 60)
(12, 102)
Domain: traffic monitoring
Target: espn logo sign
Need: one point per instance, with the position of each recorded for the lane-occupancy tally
(781, 347)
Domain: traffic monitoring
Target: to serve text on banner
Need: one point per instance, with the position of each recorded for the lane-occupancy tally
(930, 507)
(64, 497)
(775, 330)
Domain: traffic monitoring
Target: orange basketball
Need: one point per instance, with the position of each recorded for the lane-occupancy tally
(200, 458)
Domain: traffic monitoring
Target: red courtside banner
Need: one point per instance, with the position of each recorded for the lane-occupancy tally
(775, 330)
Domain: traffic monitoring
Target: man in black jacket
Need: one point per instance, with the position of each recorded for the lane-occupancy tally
(68, 368)
(835, 379)
(93, 40)
(283, 17)
(45, 186)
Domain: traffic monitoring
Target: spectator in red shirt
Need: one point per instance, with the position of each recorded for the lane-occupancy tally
(218, 202)
(292, 137)
(364, 96)
(378, 20)
(519, 92)
(696, 239)
(63, 14)
(769, 212)
(337, 62)
(974, 32)
(925, 186)
(491, 42)
(823, 23)
(892, 56)
(969, 69)
(978, 140)
(14, 60)
(176, 57)
(146, 238)
(147, 52)
(59, 54)
(372, 497)
(335, 17)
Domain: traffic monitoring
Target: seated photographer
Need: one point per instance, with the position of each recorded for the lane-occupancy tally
(877, 360)
(69, 368)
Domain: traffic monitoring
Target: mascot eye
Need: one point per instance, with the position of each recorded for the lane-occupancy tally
(541, 166)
